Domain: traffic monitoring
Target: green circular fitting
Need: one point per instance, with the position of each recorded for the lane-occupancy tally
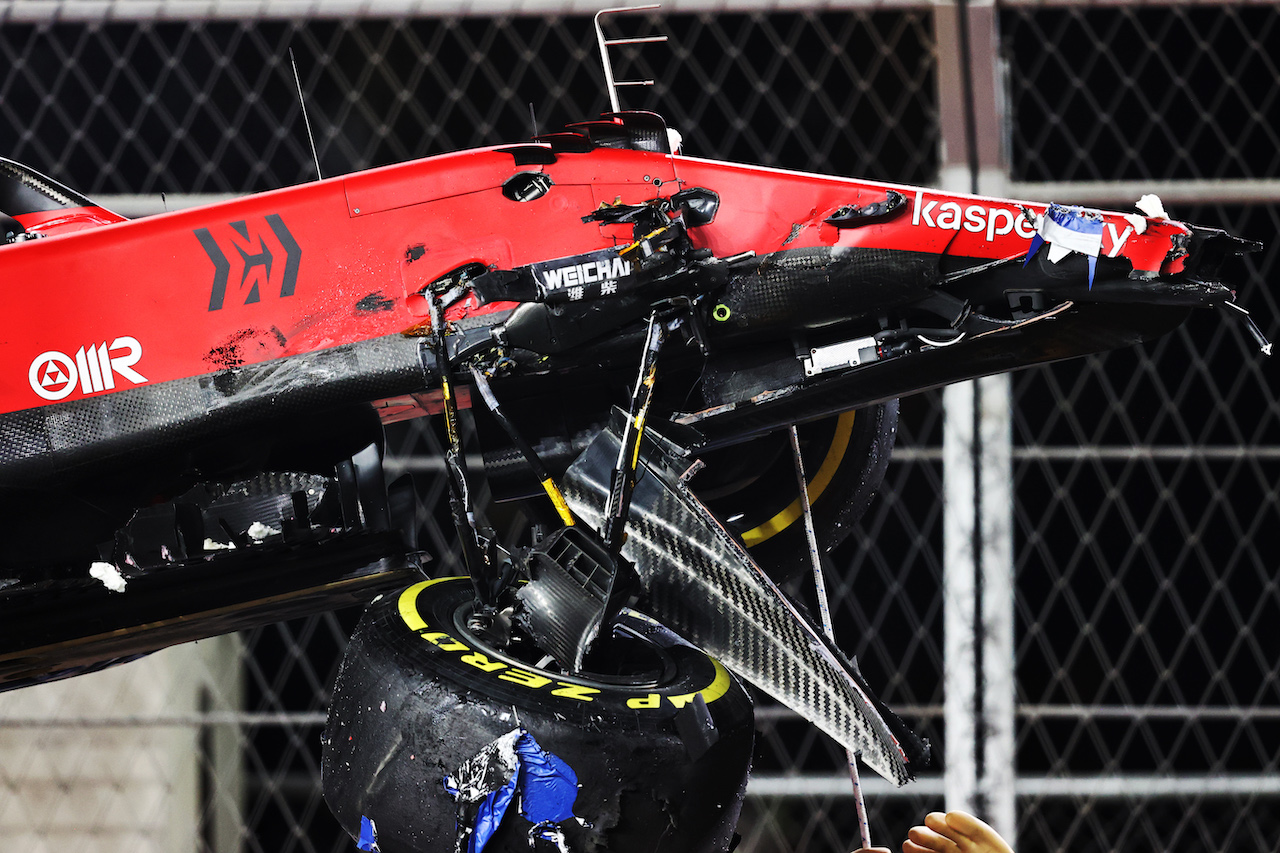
(721, 312)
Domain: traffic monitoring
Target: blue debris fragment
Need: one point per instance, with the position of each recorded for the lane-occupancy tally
(510, 766)
(489, 818)
(548, 786)
(1066, 230)
(368, 839)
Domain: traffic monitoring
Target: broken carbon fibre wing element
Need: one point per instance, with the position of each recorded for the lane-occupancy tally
(475, 553)
(660, 249)
(700, 580)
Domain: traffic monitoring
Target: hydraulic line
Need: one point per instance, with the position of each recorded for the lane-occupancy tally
(460, 503)
(530, 455)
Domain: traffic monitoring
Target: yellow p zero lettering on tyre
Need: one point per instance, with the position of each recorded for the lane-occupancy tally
(713, 691)
(653, 700)
(574, 691)
(444, 642)
(408, 604)
(482, 662)
(528, 679)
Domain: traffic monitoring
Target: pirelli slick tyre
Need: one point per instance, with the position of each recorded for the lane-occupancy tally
(754, 486)
(658, 734)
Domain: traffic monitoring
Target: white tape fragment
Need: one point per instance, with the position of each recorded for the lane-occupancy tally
(1151, 205)
(1063, 239)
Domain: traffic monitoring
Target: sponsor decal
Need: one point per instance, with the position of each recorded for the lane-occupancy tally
(54, 375)
(1117, 239)
(259, 254)
(951, 215)
(604, 272)
(579, 277)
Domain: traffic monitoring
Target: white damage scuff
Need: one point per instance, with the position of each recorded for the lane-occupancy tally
(109, 575)
(259, 531)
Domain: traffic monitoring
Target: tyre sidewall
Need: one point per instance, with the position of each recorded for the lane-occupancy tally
(414, 701)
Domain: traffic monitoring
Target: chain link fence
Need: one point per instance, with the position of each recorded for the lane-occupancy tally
(1148, 688)
(1145, 479)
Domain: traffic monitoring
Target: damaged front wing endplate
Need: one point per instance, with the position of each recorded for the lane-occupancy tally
(700, 580)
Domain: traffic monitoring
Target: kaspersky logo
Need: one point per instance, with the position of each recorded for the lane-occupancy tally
(54, 375)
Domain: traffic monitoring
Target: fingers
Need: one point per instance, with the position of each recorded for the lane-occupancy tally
(954, 832)
(937, 821)
(980, 836)
(933, 836)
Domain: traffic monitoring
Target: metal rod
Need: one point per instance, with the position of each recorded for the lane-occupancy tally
(41, 11)
(604, 43)
(637, 40)
(303, 104)
(828, 628)
(996, 604)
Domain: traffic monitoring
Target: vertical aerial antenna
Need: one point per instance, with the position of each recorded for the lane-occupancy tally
(611, 84)
(303, 103)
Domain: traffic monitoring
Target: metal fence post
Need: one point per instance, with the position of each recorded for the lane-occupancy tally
(978, 652)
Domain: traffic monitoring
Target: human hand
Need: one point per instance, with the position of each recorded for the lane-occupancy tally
(872, 850)
(954, 832)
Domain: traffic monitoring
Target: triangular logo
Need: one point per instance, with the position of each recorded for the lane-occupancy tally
(53, 375)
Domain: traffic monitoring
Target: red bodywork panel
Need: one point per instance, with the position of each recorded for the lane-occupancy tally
(318, 265)
(760, 208)
(306, 268)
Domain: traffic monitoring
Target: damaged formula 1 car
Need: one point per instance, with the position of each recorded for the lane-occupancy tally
(630, 342)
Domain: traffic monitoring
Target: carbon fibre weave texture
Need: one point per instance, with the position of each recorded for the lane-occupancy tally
(704, 585)
(41, 443)
(846, 281)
